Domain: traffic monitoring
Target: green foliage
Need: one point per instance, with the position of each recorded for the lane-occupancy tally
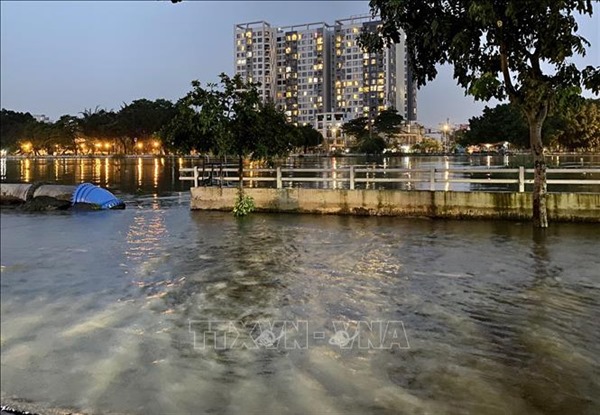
(373, 140)
(575, 127)
(143, 118)
(501, 123)
(244, 205)
(579, 126)
(483, 39)
(371, 145)
(229, 119)
(389, 122)
(13, 126)
(428, 145)
(306, 136)
(357, 127)
(520, 49)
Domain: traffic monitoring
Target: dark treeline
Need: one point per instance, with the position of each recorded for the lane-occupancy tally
(136, 127)
(575, 127)
(204, 121)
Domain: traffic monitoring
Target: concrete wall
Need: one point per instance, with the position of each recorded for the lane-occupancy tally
(580, 207)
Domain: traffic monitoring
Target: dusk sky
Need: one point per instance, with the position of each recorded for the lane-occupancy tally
(63, 57)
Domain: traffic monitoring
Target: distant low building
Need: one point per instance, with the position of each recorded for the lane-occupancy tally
(413, 133)
(330, 124)
(42, 118)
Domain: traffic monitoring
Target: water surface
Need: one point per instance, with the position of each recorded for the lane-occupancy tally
(99, 309)
(96, 310)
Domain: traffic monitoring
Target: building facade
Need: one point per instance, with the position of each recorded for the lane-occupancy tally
(255, 55)
(317, 68)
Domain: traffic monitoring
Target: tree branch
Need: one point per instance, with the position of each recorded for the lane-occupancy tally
(510, 89)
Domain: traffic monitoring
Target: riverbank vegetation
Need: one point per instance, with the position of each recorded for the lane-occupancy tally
(225, 119)
(575, 128)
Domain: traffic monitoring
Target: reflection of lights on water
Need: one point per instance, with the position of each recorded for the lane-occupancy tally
(140, 170)
(156, 163)
(81, 170)
(145, 236)
(97, 177)
(406, 163)
(26, 170)
(56, 170)
(488, 161)
(3, 168)
(106, 172)
(334, 173)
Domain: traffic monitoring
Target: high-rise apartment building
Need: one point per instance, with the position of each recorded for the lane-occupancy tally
(303, 67)
(316, 68)
(255, 55)
(367, 83)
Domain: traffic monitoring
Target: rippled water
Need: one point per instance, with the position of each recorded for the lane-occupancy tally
(96, 310)
(99, 309)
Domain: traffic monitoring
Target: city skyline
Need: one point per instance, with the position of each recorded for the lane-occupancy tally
(63, 57)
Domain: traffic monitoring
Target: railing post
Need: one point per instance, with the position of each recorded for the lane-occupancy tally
(279, 181)
(432, 179)
(195, 176)
(351, 177)
(521, 179)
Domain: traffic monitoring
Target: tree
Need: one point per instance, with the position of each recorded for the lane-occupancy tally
(504, 122)
(428, 145)
(371, 138)
(184, 133)
(307, 136)
(357, 128)
(143, 119)
(498, 48)
(580, 126)
(230, 119)
(67, 129)
(13, 127)
(389, 123)
(100, 124)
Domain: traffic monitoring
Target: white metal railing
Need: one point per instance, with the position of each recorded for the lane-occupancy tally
(359, 174)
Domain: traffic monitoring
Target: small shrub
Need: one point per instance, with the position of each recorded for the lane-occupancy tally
(243, 205)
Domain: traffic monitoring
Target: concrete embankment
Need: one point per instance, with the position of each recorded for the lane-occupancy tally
(18, 193)
(571, 207)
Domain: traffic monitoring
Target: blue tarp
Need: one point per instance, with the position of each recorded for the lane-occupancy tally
(91, 194)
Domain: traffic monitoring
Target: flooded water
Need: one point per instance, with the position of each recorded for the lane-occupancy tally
(160, 175)
(136, 312)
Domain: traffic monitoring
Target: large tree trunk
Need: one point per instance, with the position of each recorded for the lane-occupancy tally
(540, 214)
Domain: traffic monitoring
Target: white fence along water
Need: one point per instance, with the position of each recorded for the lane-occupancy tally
(356, 175)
